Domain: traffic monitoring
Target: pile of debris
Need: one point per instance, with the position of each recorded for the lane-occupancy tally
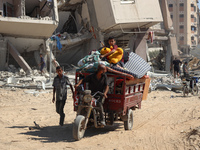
(194, 64)
(17, 78)
(21, 80)
(164, 81)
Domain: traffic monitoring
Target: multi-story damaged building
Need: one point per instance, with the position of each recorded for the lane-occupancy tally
(24, 27)
(185, 17)
(163, 40)
(126, 20)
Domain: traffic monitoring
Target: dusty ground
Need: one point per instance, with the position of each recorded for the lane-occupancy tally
(163, 123)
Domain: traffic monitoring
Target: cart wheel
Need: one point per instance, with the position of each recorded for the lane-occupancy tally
(78, 127)
(128, 125)
(111, 118)
(195, 90)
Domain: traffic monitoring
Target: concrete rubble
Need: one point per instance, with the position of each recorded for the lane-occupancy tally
(17, 78)
(164, 82)
(161, 81)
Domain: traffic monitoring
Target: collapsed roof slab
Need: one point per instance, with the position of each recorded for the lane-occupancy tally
(20, 60)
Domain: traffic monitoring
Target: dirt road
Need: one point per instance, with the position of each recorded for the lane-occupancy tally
(163, 123)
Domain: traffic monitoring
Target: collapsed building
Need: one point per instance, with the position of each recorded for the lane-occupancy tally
(95, 21)
(163, 40)
(27, 26)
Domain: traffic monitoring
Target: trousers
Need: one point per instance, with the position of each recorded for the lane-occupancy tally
(59, 109)
(100, 103)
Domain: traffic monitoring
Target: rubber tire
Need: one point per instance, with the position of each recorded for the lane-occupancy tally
(196, 90)
(78, 133)
(185, 89)
(111, 117)
(128, 125)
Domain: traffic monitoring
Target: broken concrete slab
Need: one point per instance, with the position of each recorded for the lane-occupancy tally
(12, 80)
(39, 79)
(2, 83)
(156, 75)
(20, 60)
(164, 82)
(168, 87)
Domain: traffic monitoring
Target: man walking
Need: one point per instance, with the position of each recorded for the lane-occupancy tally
(60, 88)
(42, 64)
(176, 64)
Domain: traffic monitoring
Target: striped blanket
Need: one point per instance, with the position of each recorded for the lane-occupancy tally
(136, 66)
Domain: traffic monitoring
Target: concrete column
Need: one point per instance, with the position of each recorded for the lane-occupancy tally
(3, 52)
(55, 11)
(95, 41)
(45, 54)
(168, 57)
(19, 59)
(139, 46)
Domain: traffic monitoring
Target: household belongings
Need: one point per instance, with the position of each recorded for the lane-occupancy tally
(90, 62)
(115, 57)
(136, 67)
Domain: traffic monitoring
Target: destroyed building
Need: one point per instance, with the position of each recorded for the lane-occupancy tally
(163, 40)
(26, 27)
(126, 20)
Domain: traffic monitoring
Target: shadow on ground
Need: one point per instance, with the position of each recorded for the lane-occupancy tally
(50, 134)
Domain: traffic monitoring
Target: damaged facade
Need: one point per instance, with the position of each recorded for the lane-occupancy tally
(127, 21)
(164, 41)
(26, 27)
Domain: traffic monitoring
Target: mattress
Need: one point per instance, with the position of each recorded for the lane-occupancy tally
(137, 65)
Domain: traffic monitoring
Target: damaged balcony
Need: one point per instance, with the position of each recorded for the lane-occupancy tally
(28, 18)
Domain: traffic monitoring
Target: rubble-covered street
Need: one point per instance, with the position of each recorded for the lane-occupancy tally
(167, 120)
(143, 53)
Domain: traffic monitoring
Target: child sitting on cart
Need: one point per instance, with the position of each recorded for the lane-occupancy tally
(115, 53)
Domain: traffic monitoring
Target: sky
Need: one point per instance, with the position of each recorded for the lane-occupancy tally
(199, 4)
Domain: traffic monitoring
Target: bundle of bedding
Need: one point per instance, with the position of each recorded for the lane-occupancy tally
(136, 67)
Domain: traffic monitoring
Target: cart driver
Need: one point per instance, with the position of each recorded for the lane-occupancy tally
(98, 82)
